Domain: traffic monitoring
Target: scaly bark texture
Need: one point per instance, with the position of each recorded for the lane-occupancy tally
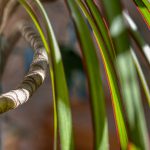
(35, 76)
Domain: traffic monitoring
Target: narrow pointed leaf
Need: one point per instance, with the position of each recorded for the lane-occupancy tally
(64, 113)
(142, 77)
(147, 4)
(61, 94)
(114, 89)
(137, 36)
(93, 73)
(37, 24)
(102, 27)
(125, 67)
(144, 47)
(143, 11)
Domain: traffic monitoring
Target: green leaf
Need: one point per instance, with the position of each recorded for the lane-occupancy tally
(61, 94)
(132, 100)
(93, 73)
(37, 24)
(142, 77)
(112, 80)
(144, 11)
(58, 81)
(144, 47)
(126, 69)
(147, 4)
(101, 25)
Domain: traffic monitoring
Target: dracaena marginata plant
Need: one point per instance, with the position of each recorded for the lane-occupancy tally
(116, 35)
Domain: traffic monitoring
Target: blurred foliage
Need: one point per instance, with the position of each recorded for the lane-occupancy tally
(121, 64)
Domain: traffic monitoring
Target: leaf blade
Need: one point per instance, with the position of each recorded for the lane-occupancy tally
(128, 76)
(116, 99)
(95, 83)
(62, 96)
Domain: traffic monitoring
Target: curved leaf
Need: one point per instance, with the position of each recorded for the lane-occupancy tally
(143, 11)
(144, 47)
(112, 80)
(61, 90)
(37, 24)
(128, 76)
(94, 80)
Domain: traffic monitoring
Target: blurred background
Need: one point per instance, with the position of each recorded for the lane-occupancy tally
(30, 127)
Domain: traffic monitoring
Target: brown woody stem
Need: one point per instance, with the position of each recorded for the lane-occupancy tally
(35, 76)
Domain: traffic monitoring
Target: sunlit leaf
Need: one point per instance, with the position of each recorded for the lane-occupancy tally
(58, 82)
(143, 10)
(93, 73)
(37, 24)
(128, 76)
(112, 79)
(61, 94)
(147, 3)
(145, 49)
(102, 26)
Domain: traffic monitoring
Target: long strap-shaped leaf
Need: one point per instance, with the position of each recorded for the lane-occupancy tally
(143, 11)
(147, 3)
(64, 113)
(145, 48)
(137, 36)
(93, 73)
(37, 24)
(142, 77)
(126, 70)
(102, 27)
(112, 81)
(61, 91)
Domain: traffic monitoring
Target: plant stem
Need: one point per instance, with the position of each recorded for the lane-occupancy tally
(35, 76)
